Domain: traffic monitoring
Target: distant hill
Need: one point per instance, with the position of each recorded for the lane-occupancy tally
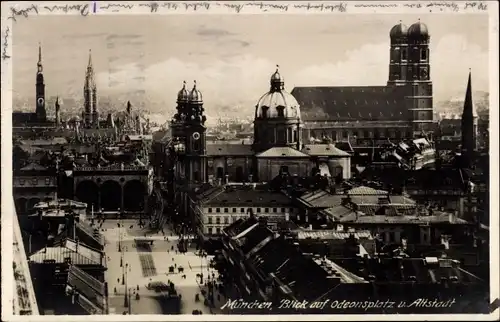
(456, 105)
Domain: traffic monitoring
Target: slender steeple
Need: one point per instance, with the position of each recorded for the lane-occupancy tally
(91, 116)
(469, 124)
(41, 114)
(58, 112)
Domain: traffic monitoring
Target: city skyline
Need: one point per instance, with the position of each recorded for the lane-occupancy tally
(232, 61)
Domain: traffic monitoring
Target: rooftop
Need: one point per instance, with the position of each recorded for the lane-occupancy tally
(69, 252)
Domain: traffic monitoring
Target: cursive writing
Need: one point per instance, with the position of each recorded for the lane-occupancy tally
(341, 7)
(116, 6)
(22, 12)
(83, 9)
(449, 5)
(5, 44)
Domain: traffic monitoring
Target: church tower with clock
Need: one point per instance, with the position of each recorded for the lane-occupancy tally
(41, 114)
(195, 138)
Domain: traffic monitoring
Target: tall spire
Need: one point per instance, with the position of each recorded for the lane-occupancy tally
(469, 124)
(90, 59)
(39, 64)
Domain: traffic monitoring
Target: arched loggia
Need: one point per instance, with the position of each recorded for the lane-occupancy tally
(134, 193)
(87, 191)
(111, 195)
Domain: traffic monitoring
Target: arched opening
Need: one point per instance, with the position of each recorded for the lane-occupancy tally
(239, 174)
(21, 205)
(31, 203)
(220, 172)
(284, 169)
(133, 195)
(87, 191)
(111, 195)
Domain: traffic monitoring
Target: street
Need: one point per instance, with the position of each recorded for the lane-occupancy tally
(145, 263)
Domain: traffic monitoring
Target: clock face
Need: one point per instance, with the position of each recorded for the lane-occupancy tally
(196, 135)
(40, 101)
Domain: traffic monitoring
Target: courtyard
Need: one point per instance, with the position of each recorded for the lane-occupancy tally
(151, 259)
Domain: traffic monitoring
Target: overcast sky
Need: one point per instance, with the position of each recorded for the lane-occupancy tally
(233, 56)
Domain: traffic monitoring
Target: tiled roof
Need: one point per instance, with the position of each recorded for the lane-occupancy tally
(34, 167)
(332, 234)
(68, 251)
(280, 152)
(420, 270)
(337, 212)
(245, 196)
(88, 287)
(217, 149)
(365, 103)
(301, 275)
(323, 150)
(410, 219)
(253, 236)
(240, 226)
(320, 199)
(362, 190)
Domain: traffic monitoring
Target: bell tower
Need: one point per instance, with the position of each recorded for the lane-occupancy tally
(41, 114)
(90, 114)
(195, 137)
(419, 96)
(398, 55)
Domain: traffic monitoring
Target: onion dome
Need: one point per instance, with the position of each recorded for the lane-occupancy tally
(399, 30)
(277, 103)
(418, 31)
(183, 95)
(195, 95)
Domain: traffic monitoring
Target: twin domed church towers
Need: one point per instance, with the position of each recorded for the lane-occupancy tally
(404, 105)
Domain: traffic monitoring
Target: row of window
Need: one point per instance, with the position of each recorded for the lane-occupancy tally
(33, 181)
(246, 210)
(394, 134)
(423, 53)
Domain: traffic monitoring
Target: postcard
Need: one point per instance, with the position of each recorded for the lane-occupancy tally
(241, 160)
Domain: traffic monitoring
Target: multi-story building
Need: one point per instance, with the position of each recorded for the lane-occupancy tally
(367, 116)
(219, 206)
(33, 183)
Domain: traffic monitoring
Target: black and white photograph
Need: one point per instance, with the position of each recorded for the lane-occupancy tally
(272, 159)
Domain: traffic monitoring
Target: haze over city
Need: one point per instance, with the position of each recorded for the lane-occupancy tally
(233, 56)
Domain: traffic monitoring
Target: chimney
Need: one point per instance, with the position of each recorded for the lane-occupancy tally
(226, 177)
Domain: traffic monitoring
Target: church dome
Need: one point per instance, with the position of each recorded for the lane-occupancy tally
(195, 95)
(183, 95)
(399, 30)
(277, 102)
(418, 30)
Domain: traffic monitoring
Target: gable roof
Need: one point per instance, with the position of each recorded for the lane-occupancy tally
(221, 149)
(374, 103)
(77, 253)
(244, 197)
(34, 167)
(91, 292)
(323, 150)
(282, 152)
(320, 199)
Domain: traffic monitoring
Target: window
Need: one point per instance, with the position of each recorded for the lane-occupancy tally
(217, 220)
(366, 134)
(209, 210)
(281, 111)
(404, 54)
(266, 210)
(47, 181)
(283, 210)
(275, 210)
(21, 182)
(345, 134)
(423, 54)
(334, 135)
(210, 230)
(226, 210)
(210, 220)
(242, 210)
(291, 209)
(258, 210)
(217, 210)
(226, 220)
(217, 231)
(234, 209)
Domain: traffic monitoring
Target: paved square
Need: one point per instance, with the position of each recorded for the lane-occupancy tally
(144, 263)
